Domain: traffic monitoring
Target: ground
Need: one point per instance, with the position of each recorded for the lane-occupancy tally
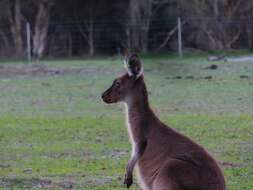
(56, 133)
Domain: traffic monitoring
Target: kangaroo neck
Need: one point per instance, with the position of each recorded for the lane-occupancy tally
(137, 109)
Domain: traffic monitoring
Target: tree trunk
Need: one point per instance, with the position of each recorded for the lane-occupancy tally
(41, 29)
(144, 40)
(146, 19)
(5, 40)
(134, 24)
(88, 33)
(90, 36)
(216, 8)
(228, 8)
(140, 17)
(70, 44)
(128, 37)
(15, 19)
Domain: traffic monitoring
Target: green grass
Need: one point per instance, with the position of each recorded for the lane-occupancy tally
(56, 133)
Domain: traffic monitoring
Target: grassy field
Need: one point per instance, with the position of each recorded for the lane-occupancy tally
(56, 133)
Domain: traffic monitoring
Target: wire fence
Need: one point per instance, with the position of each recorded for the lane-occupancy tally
(76, 39)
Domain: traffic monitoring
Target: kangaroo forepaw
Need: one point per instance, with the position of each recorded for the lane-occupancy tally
(128, 181)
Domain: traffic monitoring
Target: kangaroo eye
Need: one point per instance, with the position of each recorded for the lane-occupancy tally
(117, 84)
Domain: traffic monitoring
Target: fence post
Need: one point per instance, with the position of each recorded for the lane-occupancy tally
(28, 41)
(180, 52)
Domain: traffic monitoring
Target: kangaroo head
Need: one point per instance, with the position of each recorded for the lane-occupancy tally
(123, 86)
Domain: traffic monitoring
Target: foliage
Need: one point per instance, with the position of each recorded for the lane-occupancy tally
(67, 28)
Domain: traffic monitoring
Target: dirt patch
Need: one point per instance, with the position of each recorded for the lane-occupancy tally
(114, 154)
(244, 77)
(66, 184)
(24, 183)
(9, 183)
(69, 154)
(91, 181)
(5, 165)
(230, 165)
(42, 69)
(212, 67)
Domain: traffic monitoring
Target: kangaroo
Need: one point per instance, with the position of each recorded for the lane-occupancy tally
(163, 158)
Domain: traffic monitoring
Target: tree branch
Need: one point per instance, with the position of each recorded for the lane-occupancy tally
(5, 39)
(168, 37)
(83, 33)
(234, 39)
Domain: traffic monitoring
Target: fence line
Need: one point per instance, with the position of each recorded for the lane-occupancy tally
(106, 37)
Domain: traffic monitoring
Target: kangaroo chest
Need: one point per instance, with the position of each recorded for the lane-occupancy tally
(135, 135)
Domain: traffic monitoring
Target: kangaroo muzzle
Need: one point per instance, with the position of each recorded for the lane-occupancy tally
(107, 96)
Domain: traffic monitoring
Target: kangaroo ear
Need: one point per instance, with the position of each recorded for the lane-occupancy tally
(133, 65)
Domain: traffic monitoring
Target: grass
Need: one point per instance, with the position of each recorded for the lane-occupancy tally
(55, 133)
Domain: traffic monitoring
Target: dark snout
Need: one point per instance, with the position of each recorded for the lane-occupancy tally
(106, 96)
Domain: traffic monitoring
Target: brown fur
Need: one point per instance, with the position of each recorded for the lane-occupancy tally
(166, 159)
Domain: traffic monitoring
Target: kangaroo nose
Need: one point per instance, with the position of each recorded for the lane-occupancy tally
(102, 96)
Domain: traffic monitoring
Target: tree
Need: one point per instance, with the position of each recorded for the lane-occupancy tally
(41, 28)
(213, 21)
(87, 28)
(84, 18)
(15, 19)
(17, 13)
(140, 13)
